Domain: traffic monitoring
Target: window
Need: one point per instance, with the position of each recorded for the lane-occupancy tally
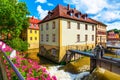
(86, 37)
(30, 38)
(41, 27)
(86, 27)
(47, 25)
(41, 37)
(35, 31)
(30, 24)
(53, 26)
(92, 27)
(78, 38)
(92, 37)
(71, 14)
(68, 24)
(54, 52)
(30, 31)
(35, 38)
(34, 25)
(53, 38)
(78, 25)
(47, 37)
(78, 15)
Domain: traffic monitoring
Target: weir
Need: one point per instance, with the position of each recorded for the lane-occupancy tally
(109, 63)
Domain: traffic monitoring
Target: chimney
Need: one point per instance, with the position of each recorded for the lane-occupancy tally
(68, 7)
(32, 17)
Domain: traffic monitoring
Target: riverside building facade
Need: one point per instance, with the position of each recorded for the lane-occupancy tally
(65, 28)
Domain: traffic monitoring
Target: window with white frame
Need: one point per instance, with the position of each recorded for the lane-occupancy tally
(54, 52)
(53, 38)
(41, 27)
(78, 38)
(68, 25)
(47, 37)
(47, 26)
(86, 37)
(53, 26)
(78, 25)
(41, 37)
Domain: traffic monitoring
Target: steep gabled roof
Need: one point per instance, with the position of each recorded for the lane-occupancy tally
(64, 12)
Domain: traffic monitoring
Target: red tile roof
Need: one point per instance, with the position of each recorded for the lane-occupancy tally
(34, 20)
(98, 22)
(64, 12)
(34, 23)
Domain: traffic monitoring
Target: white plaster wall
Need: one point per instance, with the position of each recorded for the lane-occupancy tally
(50, 31)
(69, 36)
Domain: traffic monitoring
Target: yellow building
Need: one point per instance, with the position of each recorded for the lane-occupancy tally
(32, 34)
(63, 29)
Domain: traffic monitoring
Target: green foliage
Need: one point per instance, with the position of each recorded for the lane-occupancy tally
(18, 44)
(115, 30)
(13, 17)
(8, 53)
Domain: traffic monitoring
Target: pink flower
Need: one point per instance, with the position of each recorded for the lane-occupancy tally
(44, 69)
(8, 74)
(5, 61)
(54, 78)
(30, 61)
(24, 67)
(31, 78)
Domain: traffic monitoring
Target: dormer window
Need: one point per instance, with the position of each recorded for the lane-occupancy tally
(84, 16)
(50, 13)
(78, 15)
(71, 14)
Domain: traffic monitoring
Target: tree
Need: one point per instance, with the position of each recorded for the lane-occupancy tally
(12, 21)
(13, 17)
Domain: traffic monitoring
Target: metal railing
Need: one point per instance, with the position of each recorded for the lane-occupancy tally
(18, 74)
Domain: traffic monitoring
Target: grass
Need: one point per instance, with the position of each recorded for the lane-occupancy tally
(74, 67)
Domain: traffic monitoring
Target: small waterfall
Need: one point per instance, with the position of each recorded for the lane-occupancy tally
(62, 75)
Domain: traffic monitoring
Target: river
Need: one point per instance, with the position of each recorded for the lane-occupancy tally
(61, 74)
(56, 69)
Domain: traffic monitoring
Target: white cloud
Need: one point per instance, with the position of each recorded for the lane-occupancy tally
(113, 25)
(32, 16)
(89, 6)
(42, 13)
(50, 4)
(41, 1)
(106, 11)
(108, 16)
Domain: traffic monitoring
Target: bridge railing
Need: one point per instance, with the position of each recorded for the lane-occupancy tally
(106, 62)
(8, 70)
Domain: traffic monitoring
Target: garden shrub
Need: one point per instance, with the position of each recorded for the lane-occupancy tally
(18, 44)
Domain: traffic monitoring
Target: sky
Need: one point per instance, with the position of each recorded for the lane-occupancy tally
(106, 11)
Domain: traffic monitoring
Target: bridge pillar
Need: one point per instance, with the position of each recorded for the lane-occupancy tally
(93, 64)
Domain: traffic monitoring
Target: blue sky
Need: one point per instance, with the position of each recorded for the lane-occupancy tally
(106, 11)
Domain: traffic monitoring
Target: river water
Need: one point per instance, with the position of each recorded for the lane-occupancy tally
(54, 69)
(60, 73)
(116, 44)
